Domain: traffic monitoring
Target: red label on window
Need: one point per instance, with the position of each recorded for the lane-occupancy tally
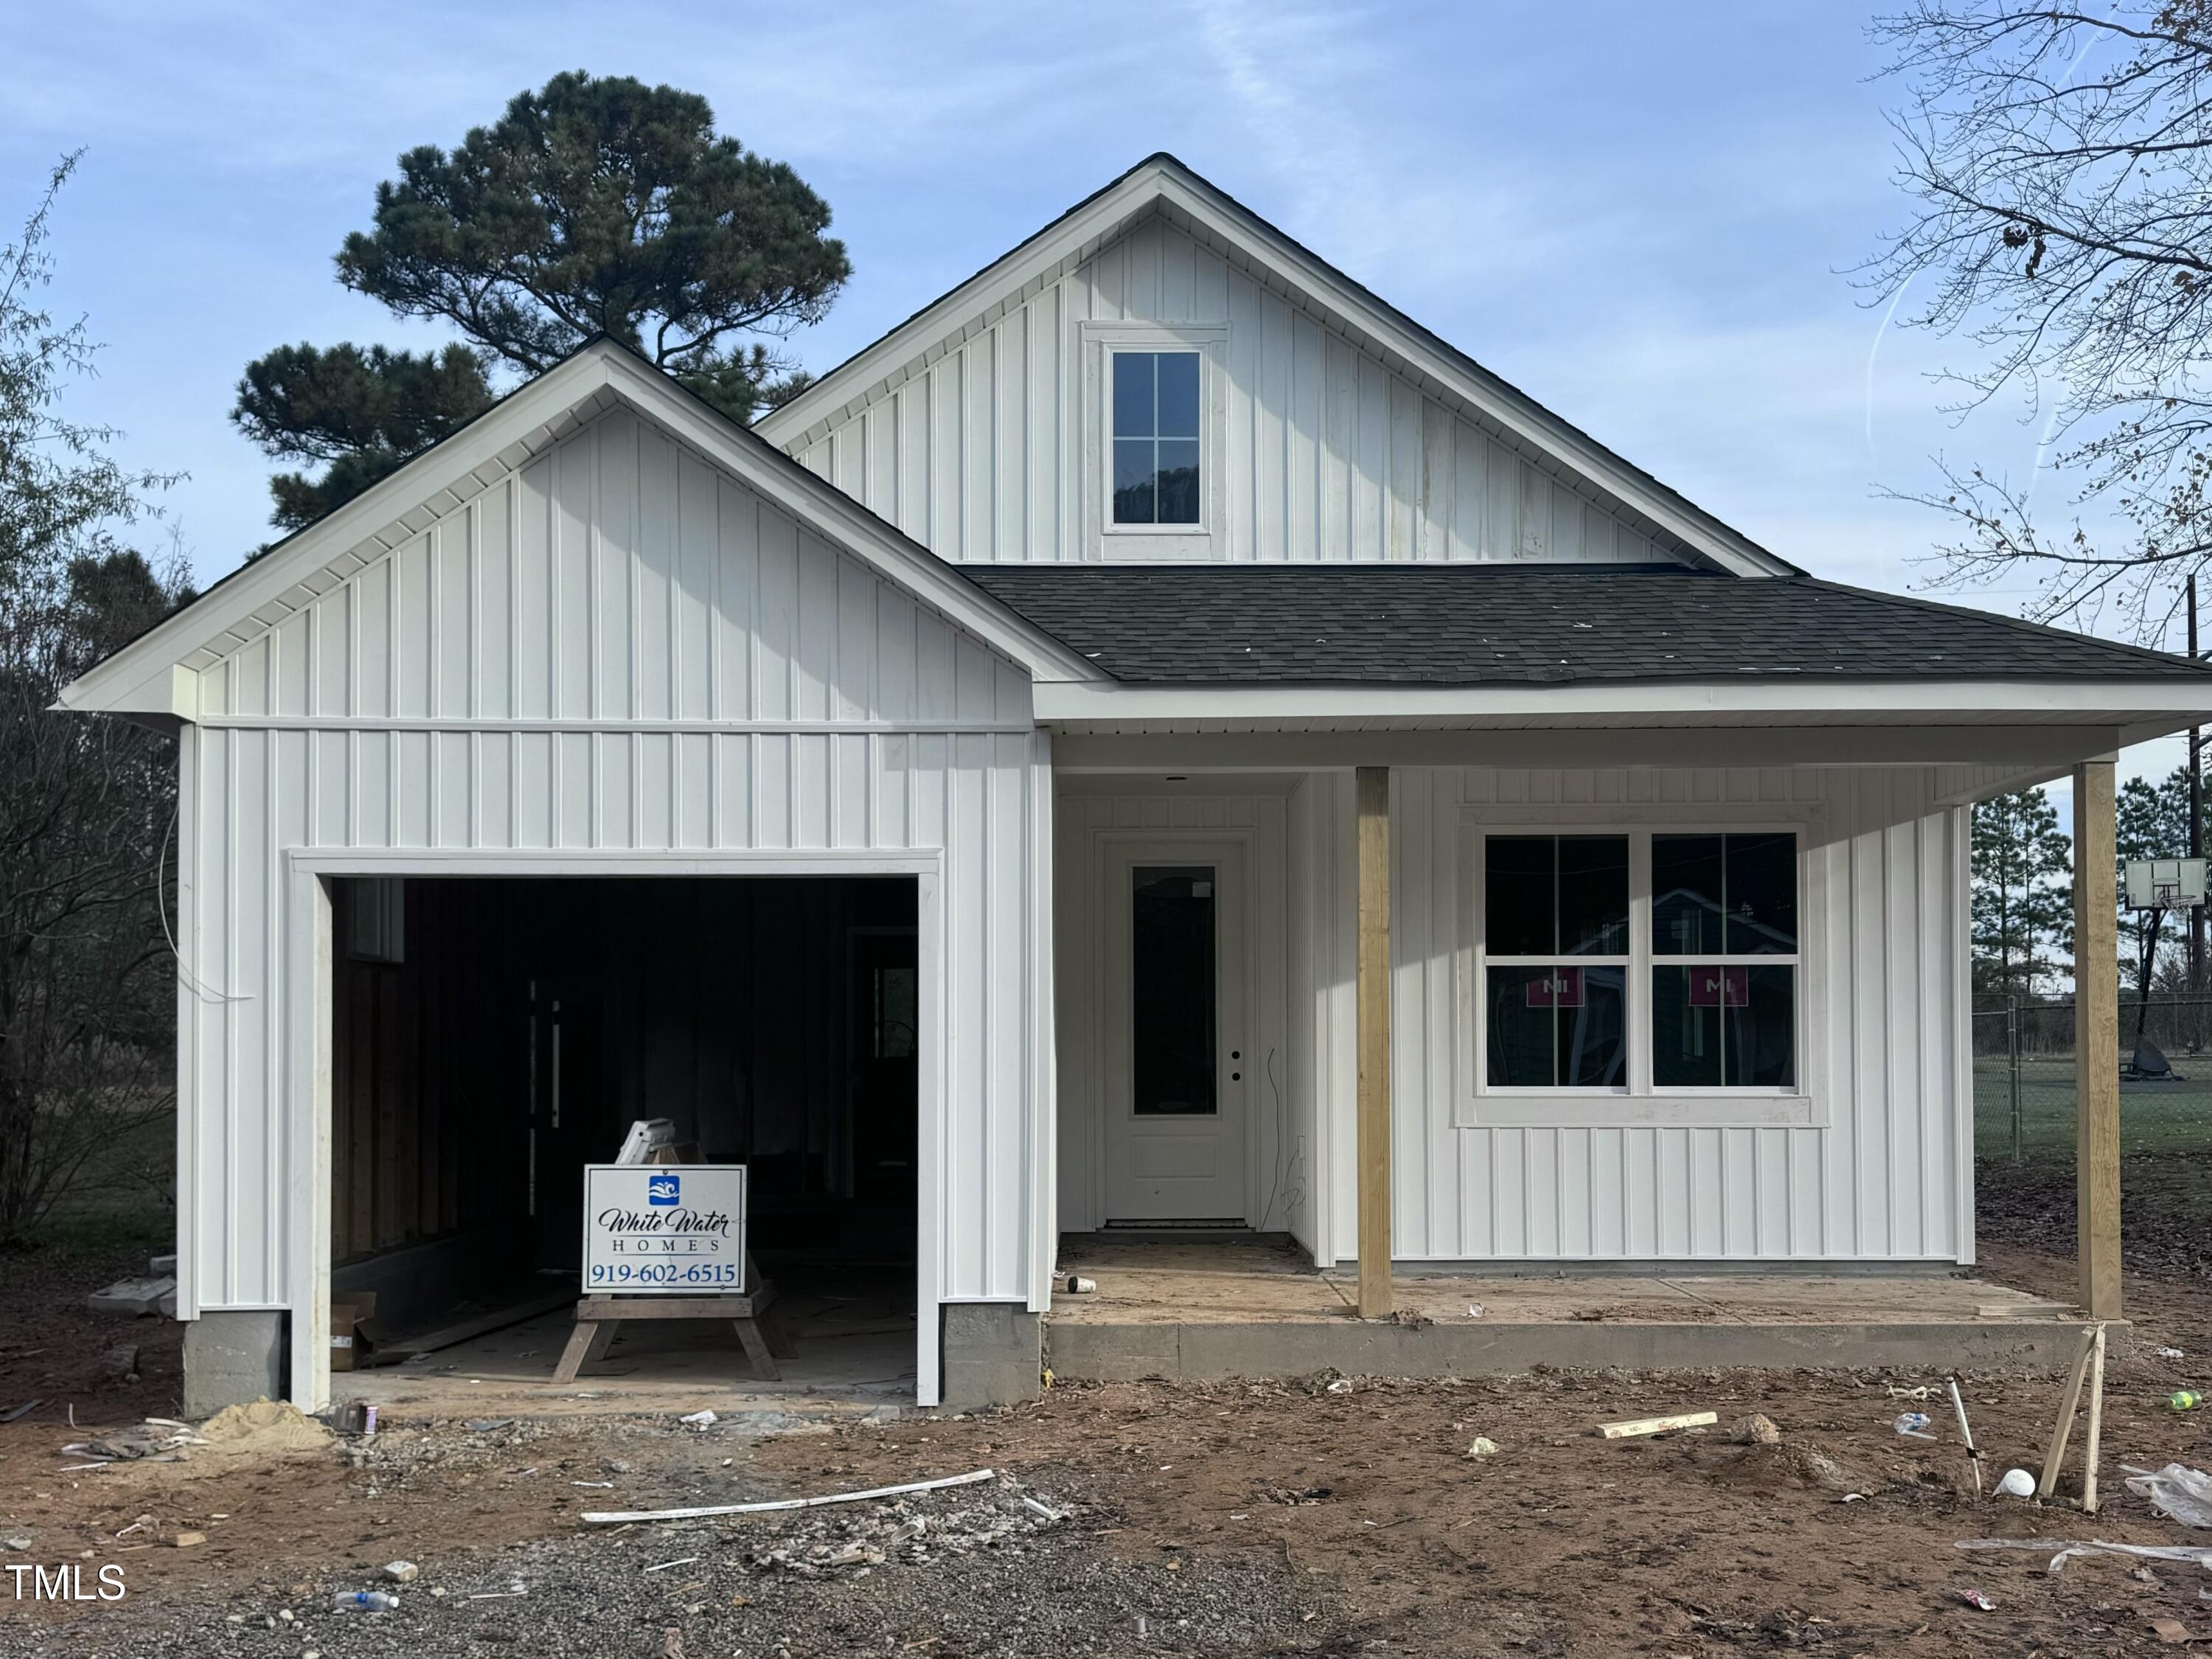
(1720, 987)
(1559, 987)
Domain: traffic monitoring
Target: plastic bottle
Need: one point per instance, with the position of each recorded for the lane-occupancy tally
(2184, 1399)
(365, 1601)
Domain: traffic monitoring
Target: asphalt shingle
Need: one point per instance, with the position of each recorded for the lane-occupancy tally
(1490, 625)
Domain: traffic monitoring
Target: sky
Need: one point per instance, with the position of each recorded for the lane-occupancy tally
(1647, 217)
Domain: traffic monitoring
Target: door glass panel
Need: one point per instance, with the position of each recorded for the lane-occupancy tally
(1171, 965)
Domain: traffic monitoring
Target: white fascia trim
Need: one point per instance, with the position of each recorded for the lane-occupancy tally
(850, 383)
(139, 678)
(1505, 404)
(849, 386)
(2155, 706)
(119, 684)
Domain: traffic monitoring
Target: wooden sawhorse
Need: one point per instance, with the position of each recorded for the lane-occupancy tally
(757, 1327)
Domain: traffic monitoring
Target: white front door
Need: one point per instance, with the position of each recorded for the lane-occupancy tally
(1176, 1054)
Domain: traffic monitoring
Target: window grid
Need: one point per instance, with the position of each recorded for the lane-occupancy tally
(1155, 439)
(1637, 964)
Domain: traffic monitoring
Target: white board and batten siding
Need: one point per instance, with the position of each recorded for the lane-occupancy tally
(1329, 455)
(618, 649)
(1880, 1171)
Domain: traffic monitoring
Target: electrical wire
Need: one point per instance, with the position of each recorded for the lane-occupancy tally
(1282, 1137)
(191, 982)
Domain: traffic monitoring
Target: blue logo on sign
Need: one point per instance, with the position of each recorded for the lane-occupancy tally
(661, 1190)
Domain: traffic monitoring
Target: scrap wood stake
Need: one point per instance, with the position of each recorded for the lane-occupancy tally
(1966, 1434)
(2088, 1367)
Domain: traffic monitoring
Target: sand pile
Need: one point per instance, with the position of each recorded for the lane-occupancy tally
(266, 1426)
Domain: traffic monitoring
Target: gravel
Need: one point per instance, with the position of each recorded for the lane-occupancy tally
(938, 1574)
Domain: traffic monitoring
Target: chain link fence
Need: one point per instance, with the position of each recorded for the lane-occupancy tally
(2024, 1093)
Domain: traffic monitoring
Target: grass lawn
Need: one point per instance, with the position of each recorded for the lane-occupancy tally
(2159, 1118)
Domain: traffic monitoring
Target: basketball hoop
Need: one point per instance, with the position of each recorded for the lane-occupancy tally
(2165, 884)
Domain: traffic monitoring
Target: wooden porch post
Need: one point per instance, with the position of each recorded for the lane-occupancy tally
(1374, 1044)
(2096, 1041)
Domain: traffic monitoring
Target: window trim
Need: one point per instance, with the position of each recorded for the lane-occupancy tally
(1477, 1103)
(1104, 540)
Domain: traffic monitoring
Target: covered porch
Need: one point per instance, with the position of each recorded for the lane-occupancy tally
(1383, 1182)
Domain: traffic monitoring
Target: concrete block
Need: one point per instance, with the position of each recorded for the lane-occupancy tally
(232, 1357)
(131, 1297)
(162, 1266)
(993, 1354)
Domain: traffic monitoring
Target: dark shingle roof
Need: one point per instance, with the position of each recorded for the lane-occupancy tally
(1511, 625)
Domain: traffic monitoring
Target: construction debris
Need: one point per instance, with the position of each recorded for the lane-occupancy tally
(2176, 1490)
(151, 1441)
(2066, 1549)
(622, 1517)
(1637, 1426)
(829, 1544)
(134, 1298)
(1756, 1430)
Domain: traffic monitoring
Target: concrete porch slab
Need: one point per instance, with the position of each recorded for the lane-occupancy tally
(1226, 1309)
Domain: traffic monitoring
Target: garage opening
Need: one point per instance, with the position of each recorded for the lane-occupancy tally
(492, 1036)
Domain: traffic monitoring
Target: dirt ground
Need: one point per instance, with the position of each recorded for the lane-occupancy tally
(51, 1348)
(1237, 1518)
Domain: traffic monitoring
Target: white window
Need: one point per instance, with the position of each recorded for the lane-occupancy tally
(1156, 437)
(1152, 440)
(1641, 963)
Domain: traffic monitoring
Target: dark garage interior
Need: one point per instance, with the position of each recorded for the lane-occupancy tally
(491, 1037)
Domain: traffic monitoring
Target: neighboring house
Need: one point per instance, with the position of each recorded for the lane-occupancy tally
(970, 797)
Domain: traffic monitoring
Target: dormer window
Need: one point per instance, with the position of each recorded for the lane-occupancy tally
(1156, 437)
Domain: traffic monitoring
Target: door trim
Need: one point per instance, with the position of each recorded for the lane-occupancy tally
(308, 1053)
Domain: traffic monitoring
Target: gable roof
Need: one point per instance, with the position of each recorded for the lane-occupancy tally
(1161, 184)
(152, 674)
(1477, 624)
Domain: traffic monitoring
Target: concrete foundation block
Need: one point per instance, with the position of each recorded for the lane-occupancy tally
(232, 1357)
(131, 1297)
(993, 1354)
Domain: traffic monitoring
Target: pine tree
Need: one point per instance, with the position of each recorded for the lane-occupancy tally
(592, 206)
(2022, 918)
